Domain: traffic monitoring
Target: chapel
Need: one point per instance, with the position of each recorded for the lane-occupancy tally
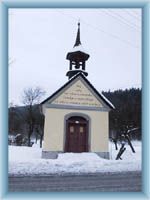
(76, 115)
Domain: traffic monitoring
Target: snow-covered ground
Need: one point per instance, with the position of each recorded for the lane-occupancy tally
(27, 160)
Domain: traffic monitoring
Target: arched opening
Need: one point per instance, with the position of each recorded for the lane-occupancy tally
(76, 134)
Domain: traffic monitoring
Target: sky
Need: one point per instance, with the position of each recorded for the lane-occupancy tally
(39, 40)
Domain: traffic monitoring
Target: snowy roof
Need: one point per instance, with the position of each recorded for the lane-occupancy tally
(78, 45)
(78, 48)
(107, 101)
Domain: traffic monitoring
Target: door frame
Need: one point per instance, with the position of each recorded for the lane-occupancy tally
(88, 119)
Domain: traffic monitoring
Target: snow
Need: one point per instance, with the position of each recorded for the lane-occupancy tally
(27, 160)
(78, 48)
(107, 101)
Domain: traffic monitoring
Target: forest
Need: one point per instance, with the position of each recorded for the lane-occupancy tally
(127, 113)
(28, 121)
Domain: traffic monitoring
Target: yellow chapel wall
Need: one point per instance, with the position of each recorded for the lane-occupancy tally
(54, 129)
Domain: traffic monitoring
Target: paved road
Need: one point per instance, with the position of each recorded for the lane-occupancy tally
(116, 182)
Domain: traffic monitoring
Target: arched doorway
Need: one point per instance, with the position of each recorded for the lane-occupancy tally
(76, 134)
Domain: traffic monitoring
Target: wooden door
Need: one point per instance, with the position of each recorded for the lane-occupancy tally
(76, 135)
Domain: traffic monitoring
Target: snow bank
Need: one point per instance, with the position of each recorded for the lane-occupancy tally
(27, 160)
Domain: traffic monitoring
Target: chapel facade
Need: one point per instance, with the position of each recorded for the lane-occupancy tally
(76, 115)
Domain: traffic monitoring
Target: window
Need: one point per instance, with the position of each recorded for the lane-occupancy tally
(71, 129)
(81, 129)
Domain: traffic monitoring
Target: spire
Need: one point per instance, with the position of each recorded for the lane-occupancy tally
(78, 42)
(77, 58)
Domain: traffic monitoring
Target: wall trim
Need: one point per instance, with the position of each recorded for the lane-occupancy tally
(74, 107)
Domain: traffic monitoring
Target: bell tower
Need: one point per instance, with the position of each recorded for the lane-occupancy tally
(77, 57)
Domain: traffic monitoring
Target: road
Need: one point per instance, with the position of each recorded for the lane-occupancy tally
(111, 182)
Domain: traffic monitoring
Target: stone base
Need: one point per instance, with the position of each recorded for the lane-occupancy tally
(49, 154)
(103, 154)
(54, 154)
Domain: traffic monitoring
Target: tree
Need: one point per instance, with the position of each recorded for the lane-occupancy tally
(39, 125)
(14, 119)
(127, 112)
(30, 98)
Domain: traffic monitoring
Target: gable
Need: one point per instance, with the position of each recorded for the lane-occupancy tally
(78, 94)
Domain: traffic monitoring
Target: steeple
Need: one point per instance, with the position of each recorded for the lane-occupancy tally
(77, 57)
(78, 42)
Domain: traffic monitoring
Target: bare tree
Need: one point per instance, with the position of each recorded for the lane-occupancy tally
(39, 127)
(30, 98)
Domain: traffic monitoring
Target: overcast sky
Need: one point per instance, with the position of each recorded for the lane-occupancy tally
(39, 40)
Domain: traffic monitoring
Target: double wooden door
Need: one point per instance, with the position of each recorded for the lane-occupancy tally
(76, 135)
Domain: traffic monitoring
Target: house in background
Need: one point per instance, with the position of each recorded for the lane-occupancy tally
(76, 115)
